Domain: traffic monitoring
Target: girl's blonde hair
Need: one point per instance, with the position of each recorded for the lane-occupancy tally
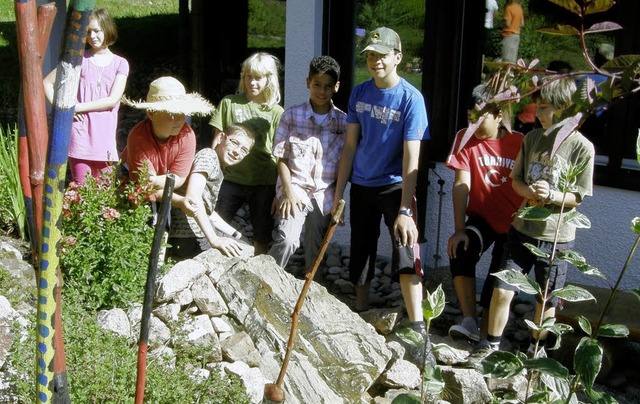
(262, 64)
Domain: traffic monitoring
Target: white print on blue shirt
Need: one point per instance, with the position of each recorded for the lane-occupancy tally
(383, 114)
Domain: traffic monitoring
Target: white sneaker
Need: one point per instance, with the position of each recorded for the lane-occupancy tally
(467, 329)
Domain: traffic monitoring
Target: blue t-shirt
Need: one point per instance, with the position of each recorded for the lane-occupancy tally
(387, 118)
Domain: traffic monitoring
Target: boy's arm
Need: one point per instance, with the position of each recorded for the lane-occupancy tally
(460, 197)
(191, 205)
(404, 229)
(290, 203)
(346, 162)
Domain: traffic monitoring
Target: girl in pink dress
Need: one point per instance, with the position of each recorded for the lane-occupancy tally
(103, 78)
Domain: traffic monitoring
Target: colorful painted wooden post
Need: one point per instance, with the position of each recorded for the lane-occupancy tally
(33, 27)
(51, 387)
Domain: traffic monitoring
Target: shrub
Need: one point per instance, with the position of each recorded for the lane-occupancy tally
(12, 208)
(106, 240)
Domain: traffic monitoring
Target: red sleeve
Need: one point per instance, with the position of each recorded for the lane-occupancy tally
(137, 150)
(181, 165)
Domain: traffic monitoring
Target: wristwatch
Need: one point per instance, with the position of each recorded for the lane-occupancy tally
(406, 212)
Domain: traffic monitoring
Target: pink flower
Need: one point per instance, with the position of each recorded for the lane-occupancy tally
(110, 213)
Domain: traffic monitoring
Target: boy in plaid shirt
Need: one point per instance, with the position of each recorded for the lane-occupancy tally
(308, 143)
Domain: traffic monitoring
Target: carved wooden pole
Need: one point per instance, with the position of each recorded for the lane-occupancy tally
(52, 386)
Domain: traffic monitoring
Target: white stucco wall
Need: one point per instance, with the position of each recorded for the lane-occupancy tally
(303, 42)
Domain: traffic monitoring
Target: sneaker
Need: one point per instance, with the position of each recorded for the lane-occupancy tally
(467, 329)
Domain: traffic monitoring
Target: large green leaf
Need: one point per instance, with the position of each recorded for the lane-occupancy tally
(519, 280)
(409, 335)
(585, 324)
(598, 6)
(534, 213)
(536, 251)
(406, 398)
(635, 224)
(573, 293)
(576, 259)
(577, 219)
(570, 5)
(547, 365)
(622, 62)
(432, 381)
(433, 305)
(587, 360)
(559, 387)
(560, 29)
(500, 364)
(599, 397)
(613, 331)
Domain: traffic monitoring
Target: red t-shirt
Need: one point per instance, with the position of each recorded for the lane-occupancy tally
(489, 163)
(173, 155)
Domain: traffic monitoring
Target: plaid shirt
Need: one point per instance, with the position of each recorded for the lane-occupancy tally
(312, 151)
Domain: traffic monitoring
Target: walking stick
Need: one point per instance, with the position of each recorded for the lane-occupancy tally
(158, 238)
(273, 391)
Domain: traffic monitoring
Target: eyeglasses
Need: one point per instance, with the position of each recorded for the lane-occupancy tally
(234, 144)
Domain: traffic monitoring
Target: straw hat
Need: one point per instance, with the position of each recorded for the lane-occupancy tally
(167, 94)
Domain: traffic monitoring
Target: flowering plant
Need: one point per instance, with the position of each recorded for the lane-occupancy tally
(106, 239)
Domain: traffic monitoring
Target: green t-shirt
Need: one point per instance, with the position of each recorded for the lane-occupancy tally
(536, 164)
(259, 166)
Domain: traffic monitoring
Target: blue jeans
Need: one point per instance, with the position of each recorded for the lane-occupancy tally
(286, 236)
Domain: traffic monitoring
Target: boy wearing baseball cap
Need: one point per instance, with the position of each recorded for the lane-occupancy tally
(387, 120)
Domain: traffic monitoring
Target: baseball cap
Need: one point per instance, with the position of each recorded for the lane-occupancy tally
(383, 40)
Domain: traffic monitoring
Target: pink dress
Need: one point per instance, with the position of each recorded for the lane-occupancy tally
(94, 137)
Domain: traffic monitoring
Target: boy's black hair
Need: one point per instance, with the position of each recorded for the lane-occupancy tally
(324, 65)
(560, 66)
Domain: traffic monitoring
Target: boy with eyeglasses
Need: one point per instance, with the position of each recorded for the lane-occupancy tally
(194, 224)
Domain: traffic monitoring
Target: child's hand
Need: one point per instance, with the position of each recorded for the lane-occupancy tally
(539, 191)
(455, 239)
(288, 207)
(405, 231)
(228, 246)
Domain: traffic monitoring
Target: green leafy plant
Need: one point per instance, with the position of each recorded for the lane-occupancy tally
(432, 382)
(12, 207)
(101, 368)
(106, 240)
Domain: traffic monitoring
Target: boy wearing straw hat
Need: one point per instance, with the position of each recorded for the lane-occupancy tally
(164, 140)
